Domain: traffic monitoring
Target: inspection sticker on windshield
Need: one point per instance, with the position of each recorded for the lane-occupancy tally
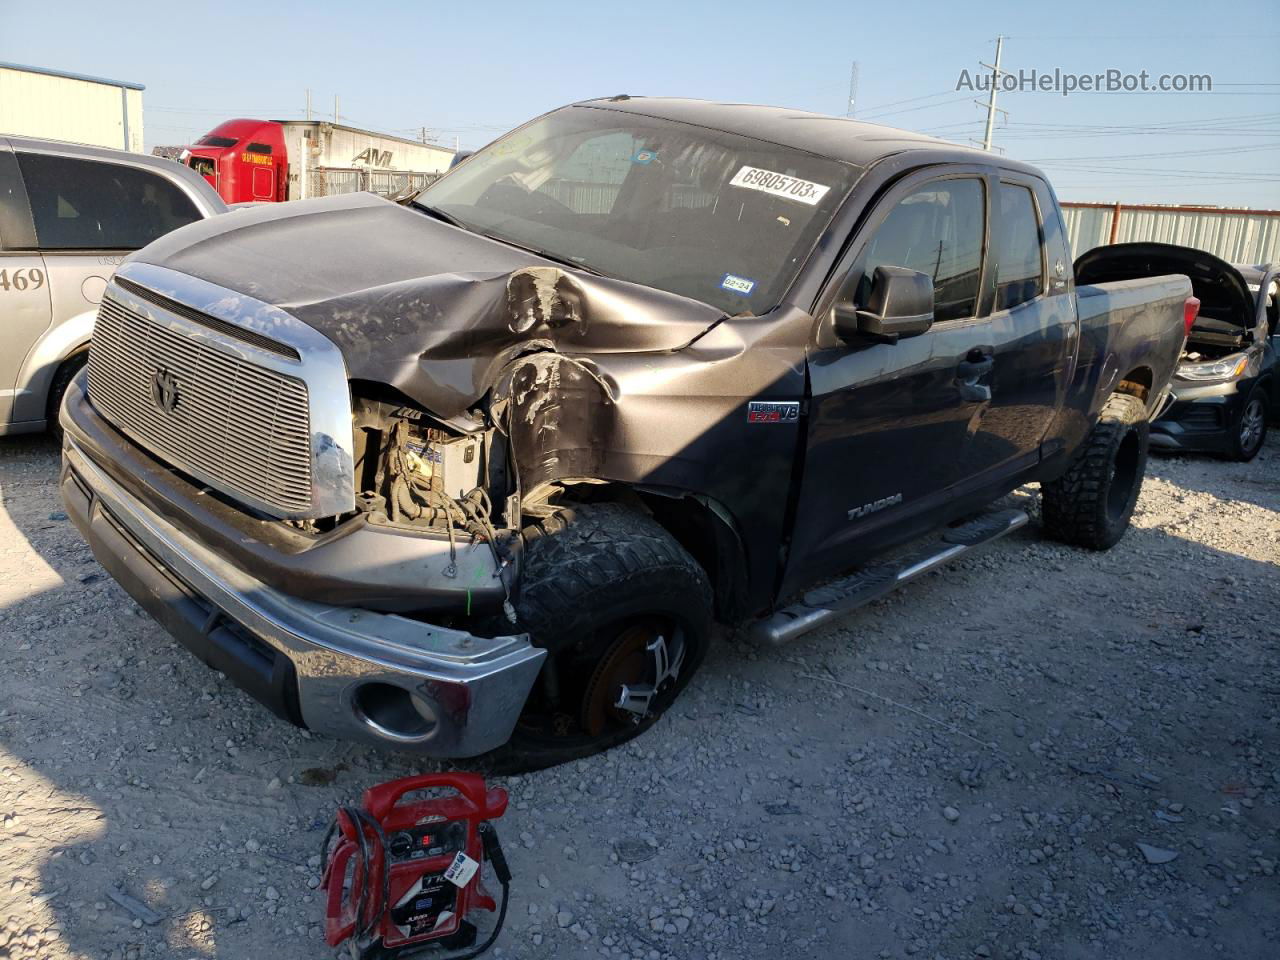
(779, 184)
(740, 285)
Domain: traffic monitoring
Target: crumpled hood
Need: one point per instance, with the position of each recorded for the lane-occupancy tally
(428, 308)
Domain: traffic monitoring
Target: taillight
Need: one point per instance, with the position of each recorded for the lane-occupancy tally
(1190, 310)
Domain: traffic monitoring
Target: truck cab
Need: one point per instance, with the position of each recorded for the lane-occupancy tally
(244, 160)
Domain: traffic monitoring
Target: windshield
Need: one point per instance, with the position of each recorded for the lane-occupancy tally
(713, 216)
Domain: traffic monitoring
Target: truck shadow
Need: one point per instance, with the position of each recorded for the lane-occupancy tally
(133, 767)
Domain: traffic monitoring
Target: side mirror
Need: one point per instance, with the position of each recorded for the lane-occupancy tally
(900, 304)
(459, 157)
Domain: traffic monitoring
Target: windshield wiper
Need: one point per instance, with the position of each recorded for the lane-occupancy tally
(439, 214)
(547, 255)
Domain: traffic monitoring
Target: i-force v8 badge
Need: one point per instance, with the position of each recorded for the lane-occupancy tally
(764, 411)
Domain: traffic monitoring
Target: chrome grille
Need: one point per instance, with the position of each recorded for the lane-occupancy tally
(242, 428)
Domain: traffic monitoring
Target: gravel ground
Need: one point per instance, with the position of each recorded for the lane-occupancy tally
(1039, 752)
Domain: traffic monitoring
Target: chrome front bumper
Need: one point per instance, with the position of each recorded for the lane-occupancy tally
(350, 673)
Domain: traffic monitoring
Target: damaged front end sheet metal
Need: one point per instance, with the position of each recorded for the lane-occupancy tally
(399, 311)
(587, 377)
(443, 341)
(558, 413)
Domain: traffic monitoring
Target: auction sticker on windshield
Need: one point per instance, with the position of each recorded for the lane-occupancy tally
(779, 184)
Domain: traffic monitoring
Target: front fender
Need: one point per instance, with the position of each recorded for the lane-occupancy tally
(675, 420)
(43, 359)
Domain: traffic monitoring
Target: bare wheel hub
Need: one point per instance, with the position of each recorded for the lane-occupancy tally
(627, 681)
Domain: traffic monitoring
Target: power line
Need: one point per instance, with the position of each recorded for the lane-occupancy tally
(1164, 153)
(894, 103)
(927, 106)
(1176, 174)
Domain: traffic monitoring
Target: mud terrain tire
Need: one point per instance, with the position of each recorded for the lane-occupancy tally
(592, 573)
(1091, 504)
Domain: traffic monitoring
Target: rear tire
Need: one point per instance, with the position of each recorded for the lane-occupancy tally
(601, 585)
(1249, 428)
(1091, 504)
(58, 389)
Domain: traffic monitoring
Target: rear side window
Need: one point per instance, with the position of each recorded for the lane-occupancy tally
(263, 148)
(937, 230)
(1019, 266)
(87, 205)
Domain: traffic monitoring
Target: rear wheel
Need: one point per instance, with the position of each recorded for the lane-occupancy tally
(1249, 430)
(625, 614)
(1091, 504)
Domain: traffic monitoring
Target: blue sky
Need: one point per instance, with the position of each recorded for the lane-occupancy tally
(472, 70)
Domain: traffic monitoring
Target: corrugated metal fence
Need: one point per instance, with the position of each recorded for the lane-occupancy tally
(1235, 235)
(329, 181)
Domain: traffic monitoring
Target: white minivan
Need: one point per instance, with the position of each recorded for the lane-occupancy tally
(69, 214)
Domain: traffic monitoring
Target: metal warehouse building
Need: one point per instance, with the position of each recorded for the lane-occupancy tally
(35, 102)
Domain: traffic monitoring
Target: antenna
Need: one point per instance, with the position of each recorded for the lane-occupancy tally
(853, 90)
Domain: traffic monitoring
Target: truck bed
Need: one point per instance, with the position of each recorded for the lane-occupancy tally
(1129, 325)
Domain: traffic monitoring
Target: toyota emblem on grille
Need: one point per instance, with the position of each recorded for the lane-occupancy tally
(164, 390)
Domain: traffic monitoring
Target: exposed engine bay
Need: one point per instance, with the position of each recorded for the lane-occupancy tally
(414, 472)
(411, 470)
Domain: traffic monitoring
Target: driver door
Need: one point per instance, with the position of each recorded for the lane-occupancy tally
(889, 423)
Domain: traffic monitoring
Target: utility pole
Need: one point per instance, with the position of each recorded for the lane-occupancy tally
(853, 90)
(308, 104)
(335, 108)
(991, 97)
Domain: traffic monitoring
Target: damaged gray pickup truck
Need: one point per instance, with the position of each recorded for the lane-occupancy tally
(478, 471)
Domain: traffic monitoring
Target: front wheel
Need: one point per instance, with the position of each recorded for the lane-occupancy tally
(1091, 504)
(625, 614)
(1249, 429)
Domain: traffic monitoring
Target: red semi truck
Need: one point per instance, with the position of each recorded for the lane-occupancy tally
(249, 160)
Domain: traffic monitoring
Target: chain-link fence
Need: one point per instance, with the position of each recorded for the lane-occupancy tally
(330, 181)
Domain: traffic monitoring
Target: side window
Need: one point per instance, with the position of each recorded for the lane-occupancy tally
(1019, 266)
(89, 205)
(937, 230)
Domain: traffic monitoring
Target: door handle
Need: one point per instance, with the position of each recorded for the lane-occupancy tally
(972, 368)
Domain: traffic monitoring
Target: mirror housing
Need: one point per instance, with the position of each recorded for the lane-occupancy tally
(459, 157)
(900, 304)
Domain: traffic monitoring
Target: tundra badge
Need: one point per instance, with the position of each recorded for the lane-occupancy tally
(760, 411)
(868, 508)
